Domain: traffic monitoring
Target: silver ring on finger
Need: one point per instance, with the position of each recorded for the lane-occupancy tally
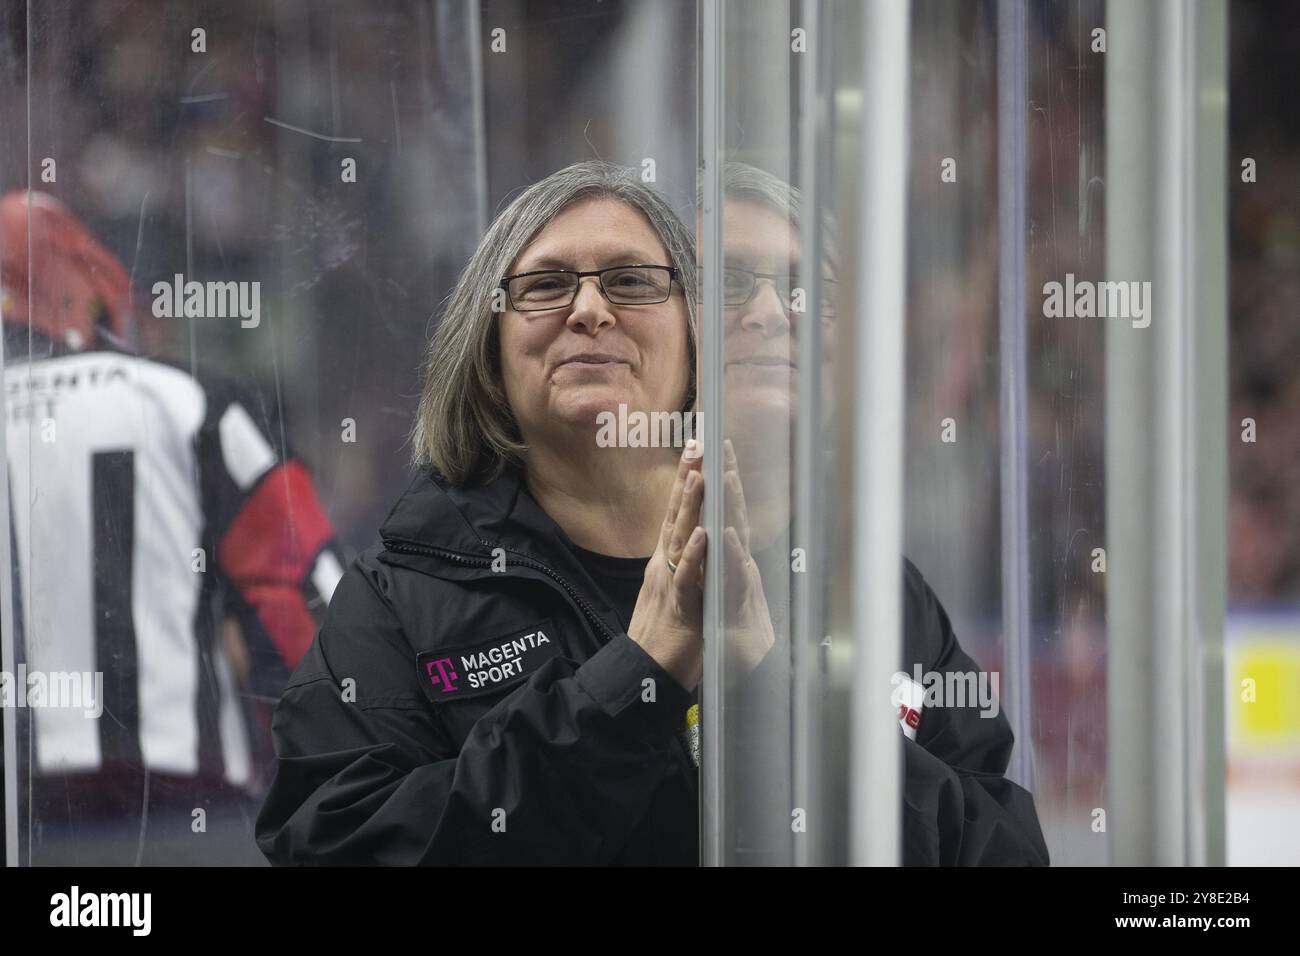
(672, 568)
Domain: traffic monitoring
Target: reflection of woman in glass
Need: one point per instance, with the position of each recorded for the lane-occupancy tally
(957, 805)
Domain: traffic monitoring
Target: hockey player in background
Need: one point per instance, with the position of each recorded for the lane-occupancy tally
(163, 536)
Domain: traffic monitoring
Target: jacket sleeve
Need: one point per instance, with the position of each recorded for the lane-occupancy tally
(958, 806)
(265, 523)
(559, 771)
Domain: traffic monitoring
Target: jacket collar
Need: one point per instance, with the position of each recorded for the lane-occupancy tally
(473, 520)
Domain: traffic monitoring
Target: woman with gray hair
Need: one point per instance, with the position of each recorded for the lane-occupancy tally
(507, 677)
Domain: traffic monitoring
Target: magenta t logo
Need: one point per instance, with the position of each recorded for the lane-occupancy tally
(446, 675)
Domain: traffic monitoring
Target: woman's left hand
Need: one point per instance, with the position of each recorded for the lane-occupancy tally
(748, 621)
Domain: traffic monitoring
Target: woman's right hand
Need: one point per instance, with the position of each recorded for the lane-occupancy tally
(668, 621)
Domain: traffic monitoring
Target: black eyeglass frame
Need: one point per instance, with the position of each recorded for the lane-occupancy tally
(674, 275)
(773, 277)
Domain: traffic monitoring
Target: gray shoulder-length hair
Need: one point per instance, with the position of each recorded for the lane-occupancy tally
(742, 182)
(464, 426)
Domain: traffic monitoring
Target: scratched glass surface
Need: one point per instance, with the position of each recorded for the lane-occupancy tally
(958, 434)
(345, 158)
(235, 163)
(760, 250)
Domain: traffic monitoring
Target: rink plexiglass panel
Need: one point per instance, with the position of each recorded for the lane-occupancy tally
(1003, 427)
(1005, 407)
(345, 159)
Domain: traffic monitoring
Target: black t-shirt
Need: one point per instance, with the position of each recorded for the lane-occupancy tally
(619, 578)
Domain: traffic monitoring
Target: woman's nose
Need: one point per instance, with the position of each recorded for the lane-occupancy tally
(590, 309)
(765, 312)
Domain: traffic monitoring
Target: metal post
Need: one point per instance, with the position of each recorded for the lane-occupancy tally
(878, 434)
(8, 650)
(712, 144)
(809, 592)
(473, 26)
(1207, 98)
(1165, 446)
(8, 636)
(1013, 450)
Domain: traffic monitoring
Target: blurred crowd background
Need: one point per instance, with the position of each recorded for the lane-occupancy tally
(226, 164)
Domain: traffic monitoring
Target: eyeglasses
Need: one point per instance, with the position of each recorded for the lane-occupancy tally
(557, 288)
(739, 286)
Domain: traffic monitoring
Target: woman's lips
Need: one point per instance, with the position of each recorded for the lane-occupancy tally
(763, 361)
(594, 363)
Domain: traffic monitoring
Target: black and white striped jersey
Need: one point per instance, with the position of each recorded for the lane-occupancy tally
(150, 507)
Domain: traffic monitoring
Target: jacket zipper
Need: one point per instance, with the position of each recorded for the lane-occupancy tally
(471, 561)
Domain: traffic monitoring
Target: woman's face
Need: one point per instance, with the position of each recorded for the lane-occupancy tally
(564, 366)
(759, 347)
(760, 338)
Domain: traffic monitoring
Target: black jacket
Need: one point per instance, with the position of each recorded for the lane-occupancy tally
(473, 698)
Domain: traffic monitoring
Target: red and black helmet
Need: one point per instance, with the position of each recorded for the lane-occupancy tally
(71, 284)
